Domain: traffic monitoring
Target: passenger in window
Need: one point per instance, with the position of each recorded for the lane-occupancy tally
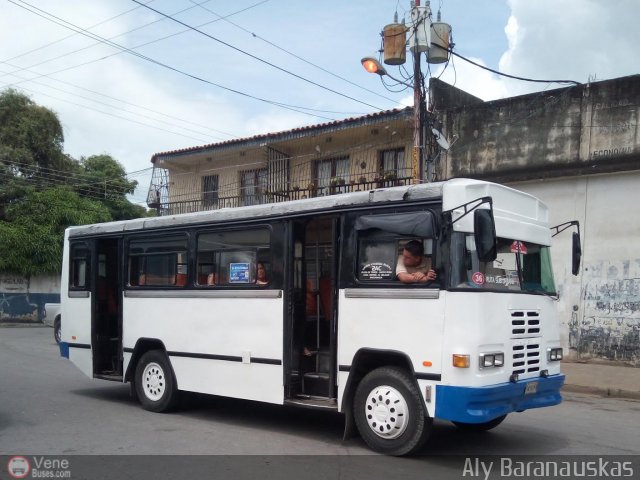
(211, 279)
(413, 266)
(261, 274)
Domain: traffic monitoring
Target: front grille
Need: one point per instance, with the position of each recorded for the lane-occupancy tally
(525, 323)
(526, 358)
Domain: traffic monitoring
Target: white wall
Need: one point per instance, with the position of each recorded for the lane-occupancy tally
(600, 308)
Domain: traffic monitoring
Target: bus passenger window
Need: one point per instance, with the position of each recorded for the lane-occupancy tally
(377, 258)
(231, 257)
(79, 268)
(158, 262)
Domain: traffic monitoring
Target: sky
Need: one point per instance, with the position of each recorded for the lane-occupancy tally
(133, 78)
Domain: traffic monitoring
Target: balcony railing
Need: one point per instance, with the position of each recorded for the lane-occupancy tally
(295, 193)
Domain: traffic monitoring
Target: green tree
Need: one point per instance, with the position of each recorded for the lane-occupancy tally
(31, 154)
(104, 178)
(31, 239)
(43, 190)
(31, 137)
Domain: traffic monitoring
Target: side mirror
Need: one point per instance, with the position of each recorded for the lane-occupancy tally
(484, 229)
(576, 254)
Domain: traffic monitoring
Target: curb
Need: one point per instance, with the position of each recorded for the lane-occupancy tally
(602, 392)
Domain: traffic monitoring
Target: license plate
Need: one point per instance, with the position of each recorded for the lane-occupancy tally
(531, 388)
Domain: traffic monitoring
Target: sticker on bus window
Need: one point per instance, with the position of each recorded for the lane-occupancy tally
(478, 278)
(239, 273)
(376, 271)
(518, 247)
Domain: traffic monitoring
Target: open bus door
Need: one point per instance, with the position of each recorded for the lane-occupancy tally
(312, 304)
(106, 309)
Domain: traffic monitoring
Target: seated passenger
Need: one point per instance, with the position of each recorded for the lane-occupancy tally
(413, 266)
(211, 279)
(261, 274)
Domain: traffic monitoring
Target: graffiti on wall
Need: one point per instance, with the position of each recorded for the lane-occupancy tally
(610, 324)
(18, 303)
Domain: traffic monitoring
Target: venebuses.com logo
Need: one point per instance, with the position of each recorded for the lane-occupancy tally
(18, 467)
(38, 467)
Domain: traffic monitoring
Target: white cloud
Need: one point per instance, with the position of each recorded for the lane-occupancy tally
(570, 39)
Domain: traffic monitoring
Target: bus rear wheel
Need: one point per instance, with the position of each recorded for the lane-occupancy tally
(389, 412)
(480, 427)
(155, 383)
(57, 330)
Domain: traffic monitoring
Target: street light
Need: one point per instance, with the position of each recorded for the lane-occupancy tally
(372, 65)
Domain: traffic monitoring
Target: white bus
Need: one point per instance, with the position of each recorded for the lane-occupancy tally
(298, 303)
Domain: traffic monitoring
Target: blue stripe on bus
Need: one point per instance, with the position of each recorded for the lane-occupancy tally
(482, 404)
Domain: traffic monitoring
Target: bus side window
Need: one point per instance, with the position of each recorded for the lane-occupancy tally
(158, 261)
(79, 268)
(231, 257)
(377, 254)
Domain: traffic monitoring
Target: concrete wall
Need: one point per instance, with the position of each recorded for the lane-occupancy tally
(586, 129)
(22, 299)
(600, 308)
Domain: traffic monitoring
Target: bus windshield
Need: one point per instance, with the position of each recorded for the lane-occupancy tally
(519, 266)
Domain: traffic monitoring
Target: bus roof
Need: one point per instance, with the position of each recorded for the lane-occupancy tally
(429, 191)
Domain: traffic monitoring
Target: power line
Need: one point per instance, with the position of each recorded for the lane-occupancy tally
(117, 53)
(73, 34)
(77, 29)
(508, 75)
(254, 35)
(255, 57)
(113, 115)
(125, 110)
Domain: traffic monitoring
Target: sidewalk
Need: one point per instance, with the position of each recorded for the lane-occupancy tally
(611, 381)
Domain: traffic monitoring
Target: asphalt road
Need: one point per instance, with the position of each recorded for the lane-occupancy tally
(48, 407)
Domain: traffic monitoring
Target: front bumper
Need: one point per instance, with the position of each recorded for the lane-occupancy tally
(482, 404)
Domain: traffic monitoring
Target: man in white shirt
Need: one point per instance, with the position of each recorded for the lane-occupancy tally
(412, 266)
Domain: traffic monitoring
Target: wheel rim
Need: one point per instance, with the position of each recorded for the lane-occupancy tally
(153, 381)
(58, 334)
(387, 412)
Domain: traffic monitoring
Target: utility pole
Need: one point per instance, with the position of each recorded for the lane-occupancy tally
(417, 154)
(425, 36)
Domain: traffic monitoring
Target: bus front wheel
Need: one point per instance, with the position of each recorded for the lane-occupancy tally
(155, 384)
(389, 412)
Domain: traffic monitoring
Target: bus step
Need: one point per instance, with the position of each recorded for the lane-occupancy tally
(112, 377)
(313, 402)
(316, 383)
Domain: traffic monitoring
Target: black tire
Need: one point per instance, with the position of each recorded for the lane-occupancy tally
(480, 427)
(57, 330)
(155, 382)
(379, 408)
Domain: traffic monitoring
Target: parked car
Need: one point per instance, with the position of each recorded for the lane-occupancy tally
(53, 318)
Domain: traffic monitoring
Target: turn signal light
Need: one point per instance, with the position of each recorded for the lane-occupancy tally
(461, 361)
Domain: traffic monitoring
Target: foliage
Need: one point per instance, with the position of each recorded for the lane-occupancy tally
(43, 190)
(104, 179)
(32, 238)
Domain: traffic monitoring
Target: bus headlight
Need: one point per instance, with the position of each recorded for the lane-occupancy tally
(491, 360)
(554, 354)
